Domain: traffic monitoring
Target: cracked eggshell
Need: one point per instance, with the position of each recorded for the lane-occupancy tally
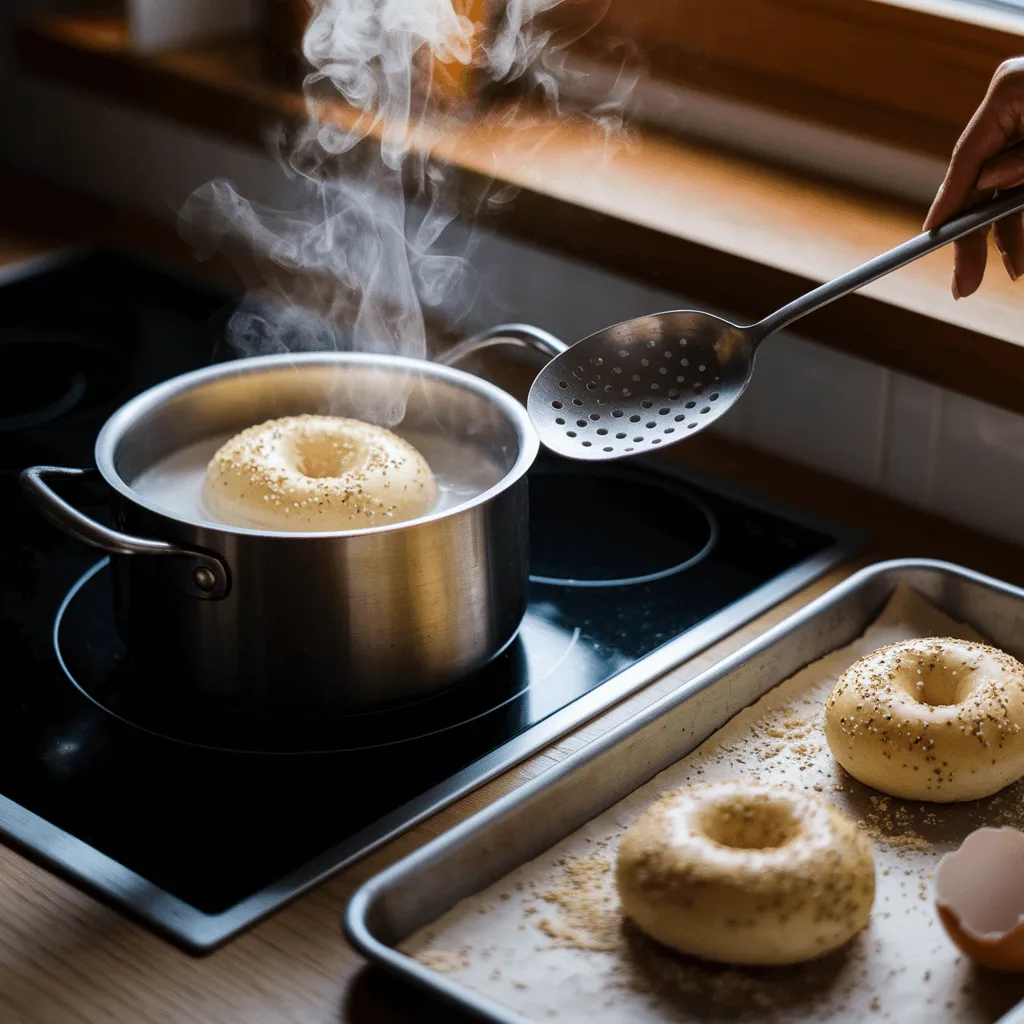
(979, 894)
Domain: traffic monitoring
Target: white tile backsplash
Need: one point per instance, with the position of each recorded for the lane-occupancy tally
(817, 406)
(914, 417)
(567, 297)
(979, 466)
(923, 445)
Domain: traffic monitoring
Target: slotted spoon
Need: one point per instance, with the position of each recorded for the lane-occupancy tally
(646, 383)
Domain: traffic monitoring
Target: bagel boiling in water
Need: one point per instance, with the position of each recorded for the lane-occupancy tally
(317, 473)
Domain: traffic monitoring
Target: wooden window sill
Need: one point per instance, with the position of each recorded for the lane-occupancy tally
(731, 233)
(909, 73)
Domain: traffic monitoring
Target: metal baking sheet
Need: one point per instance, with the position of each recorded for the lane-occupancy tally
(489, 847)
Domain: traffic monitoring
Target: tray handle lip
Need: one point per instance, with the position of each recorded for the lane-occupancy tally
(388, 958)
(355, 918)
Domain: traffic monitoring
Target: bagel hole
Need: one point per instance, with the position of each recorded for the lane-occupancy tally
(750, 825)
(938, 681)
(320, 459)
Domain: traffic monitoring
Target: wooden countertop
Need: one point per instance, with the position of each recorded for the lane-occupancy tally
(65, 958)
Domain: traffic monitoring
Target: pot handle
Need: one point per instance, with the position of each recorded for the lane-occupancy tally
(523, 335)
(208, 579)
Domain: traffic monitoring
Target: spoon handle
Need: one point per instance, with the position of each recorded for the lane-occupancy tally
(1005, 204)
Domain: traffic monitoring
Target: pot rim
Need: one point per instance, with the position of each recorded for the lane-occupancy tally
(120, 421)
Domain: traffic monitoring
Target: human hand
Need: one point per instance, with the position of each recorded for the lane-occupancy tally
(989, 156)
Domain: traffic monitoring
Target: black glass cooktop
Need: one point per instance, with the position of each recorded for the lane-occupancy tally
(200, 820)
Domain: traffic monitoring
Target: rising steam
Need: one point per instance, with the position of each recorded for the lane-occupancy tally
(362, 251)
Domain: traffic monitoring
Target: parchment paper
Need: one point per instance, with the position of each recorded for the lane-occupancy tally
(549, 941)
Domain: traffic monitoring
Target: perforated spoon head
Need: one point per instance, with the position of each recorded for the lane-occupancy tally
(641, 385)
(646, 383)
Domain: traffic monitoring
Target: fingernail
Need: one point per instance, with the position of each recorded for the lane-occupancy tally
(956, 291)
(1010, 268)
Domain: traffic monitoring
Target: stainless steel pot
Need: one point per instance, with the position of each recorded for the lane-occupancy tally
(272, 620)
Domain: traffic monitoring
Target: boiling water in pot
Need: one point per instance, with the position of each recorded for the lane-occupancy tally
(175, 483)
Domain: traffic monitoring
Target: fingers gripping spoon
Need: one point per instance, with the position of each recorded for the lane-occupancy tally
(646, 383)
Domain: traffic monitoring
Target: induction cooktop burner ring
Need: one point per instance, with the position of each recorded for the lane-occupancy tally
(73, 394)
(357, 718)
(61, 366)
(679, 493)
